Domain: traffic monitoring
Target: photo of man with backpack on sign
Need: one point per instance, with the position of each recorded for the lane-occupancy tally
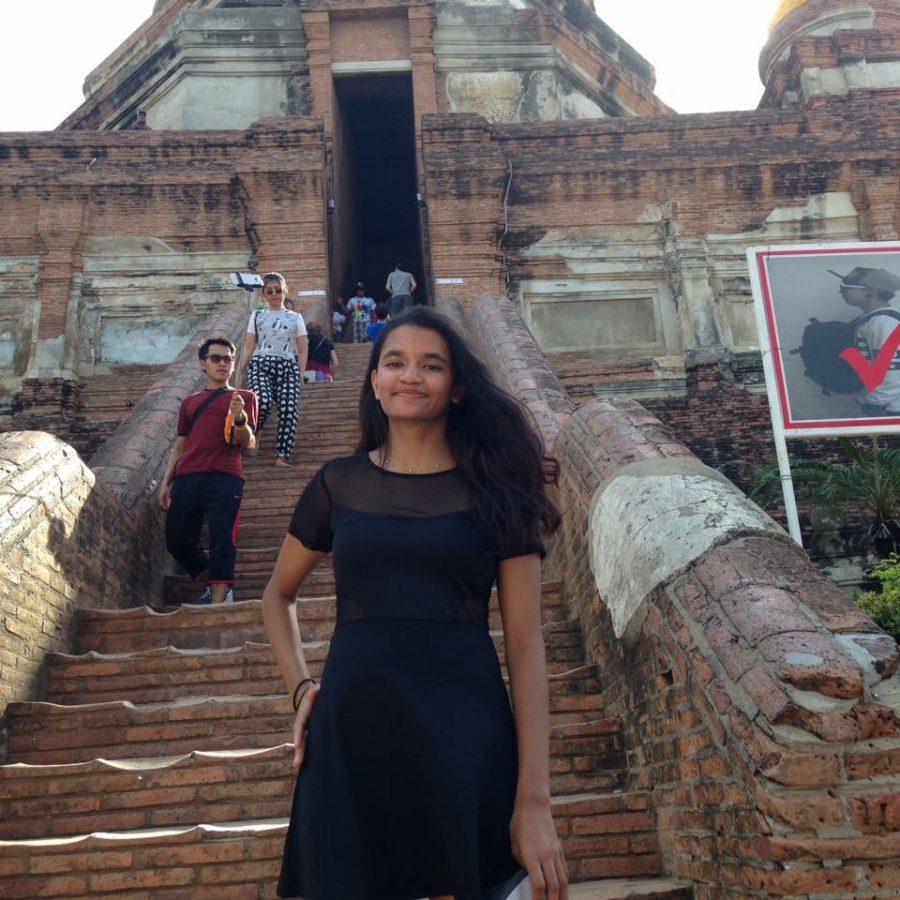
(877, 332)
(828, 311)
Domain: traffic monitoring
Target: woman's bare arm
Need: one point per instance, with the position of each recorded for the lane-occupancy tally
(535, 842)
(302, 352)
(165, 485)
(246, 352)
(279, 602)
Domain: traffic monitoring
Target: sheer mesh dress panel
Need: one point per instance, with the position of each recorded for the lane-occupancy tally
(405, 546)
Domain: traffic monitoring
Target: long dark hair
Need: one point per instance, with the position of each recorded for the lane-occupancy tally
(495, 445)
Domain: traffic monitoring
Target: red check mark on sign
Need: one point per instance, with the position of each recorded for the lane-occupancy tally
(873, 375)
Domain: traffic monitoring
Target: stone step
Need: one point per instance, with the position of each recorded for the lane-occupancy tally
(230, 625)
(241, 859)
(252, 572)
(117, 795)
(167, 674)
(47, 733)
(61, 800)
(631, 889)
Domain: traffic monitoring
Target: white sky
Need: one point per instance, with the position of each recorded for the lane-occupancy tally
(705, 51)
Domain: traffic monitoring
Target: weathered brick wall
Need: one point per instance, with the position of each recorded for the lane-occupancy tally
(705, 183)
(173, 212)
(73, 536)
(808, 48)
(66, 542)
(761, 707)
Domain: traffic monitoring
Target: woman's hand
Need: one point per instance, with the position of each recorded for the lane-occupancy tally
(537, 848)
(301, 723)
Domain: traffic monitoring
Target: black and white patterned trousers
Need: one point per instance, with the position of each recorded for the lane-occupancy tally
(276, 379)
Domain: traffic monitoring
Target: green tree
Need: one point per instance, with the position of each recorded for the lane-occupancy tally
(884, 607)
(866, 483)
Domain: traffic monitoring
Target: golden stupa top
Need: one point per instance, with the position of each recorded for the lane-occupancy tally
(784, 8)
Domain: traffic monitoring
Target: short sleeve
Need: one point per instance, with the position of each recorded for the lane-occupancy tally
(301, 326)
(182, 420)
(881, 328)
(250, 323)
(511, 552)
(311, 522)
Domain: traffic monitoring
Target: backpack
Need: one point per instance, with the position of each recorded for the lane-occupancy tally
(821, 348)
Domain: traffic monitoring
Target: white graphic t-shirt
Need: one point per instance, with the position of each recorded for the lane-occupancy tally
(276, 332)
(871, 336)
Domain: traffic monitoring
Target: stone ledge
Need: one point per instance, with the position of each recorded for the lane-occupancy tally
(688, 507)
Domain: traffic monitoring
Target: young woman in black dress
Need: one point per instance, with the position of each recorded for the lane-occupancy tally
(416, 780)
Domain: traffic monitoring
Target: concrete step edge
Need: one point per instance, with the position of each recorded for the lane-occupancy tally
(144, 763)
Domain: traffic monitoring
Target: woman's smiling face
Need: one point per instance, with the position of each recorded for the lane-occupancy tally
(414, 378)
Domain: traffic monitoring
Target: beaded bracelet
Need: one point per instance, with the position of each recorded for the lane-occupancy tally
(295, 701)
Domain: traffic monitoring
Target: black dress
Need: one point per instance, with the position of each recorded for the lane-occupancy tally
(409, 779)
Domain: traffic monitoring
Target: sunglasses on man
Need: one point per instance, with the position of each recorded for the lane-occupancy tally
(219, 358)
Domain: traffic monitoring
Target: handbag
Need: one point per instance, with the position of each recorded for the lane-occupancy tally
(229, 434)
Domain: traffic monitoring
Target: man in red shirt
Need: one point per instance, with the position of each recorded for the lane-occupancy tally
(205, 474)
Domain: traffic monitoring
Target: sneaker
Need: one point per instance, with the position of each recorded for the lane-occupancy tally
(204, 598)
(229, 597)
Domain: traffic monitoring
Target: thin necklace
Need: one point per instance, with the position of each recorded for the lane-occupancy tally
(437, 466)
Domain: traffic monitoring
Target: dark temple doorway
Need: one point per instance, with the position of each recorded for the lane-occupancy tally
(376, 216)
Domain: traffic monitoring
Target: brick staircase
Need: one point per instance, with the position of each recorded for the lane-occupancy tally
(157, 764)
(584, 375)
(106, 400)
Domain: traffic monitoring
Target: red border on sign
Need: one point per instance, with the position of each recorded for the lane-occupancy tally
(775, 343)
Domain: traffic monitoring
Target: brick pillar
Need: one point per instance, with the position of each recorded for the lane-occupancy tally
(317, 26)
(421, 54)
(465, 175)
(286, 222)
(878, 203)
(60, 227)
(689, 274)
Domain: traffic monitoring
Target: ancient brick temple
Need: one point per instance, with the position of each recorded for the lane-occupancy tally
(724, 720)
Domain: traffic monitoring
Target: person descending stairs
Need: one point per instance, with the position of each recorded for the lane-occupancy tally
(158, 763)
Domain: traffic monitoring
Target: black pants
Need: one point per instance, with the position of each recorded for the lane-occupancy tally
(276, 380)
(215, 496)
(399, 303)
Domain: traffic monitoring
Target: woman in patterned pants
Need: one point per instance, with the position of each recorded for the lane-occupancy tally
(276, 342)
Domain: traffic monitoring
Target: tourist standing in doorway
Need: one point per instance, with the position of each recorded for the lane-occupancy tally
(416, 777)
(205, 475)
(400, 286)
(276, 346)
(323, 359)
(361, 308)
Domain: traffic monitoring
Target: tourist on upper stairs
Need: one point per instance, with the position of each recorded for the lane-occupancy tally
(323, 359)
(276, 345)
(400, 286)
(361, 309)
(381, 317)
(416, 777)
(205, 475)
(140, 123)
